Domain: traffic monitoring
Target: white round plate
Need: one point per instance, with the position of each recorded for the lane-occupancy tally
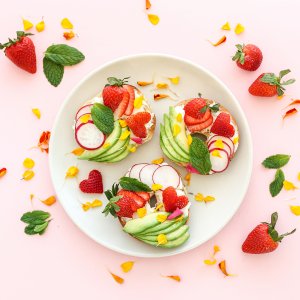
(228, 188)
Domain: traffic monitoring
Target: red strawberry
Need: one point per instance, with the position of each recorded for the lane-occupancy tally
(188, 120)
(268, 85)
(138, 201)
(193, 108)
(126, 207)
(93, 184)
(21, 52)
(137, 123)
(201, 126)
(115, 95)
(144, 195)
(130, 106)
(222, 125)
(248, 57)
(264, 238)
(182, 201)
(172, 201)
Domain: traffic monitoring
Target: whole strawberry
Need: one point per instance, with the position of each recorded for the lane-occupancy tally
(269, 85)
(264, 238)
(21, 52)
(248, 57)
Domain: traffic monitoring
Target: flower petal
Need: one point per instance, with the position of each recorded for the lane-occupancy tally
(220, 41)
(28, 174)
(117, 278)
(158, 161)
(174, 80)
(289, 113)
(288, 185)
(144, 83)
(68, 35)
(3, 172)
(174, 277)
(28, 163)
(49, 201)
(127, 266)
(148, 4)
(239, 28)
(226, 26)
(36, 112)
(77, 151)
(295, 210)
(40, 26)
(154, 19)
(66, 23)
(72, 172)
(157, 97)
(27, 24)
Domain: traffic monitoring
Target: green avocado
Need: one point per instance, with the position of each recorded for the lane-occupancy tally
(112, 139)
(181, 155)
(171, 244)
(166, 152)
(181, 137)
(170, 236)
(136, 226)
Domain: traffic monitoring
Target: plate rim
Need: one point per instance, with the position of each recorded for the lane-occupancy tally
(188, 62)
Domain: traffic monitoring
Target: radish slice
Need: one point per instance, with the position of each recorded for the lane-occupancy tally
(79, 120)
(88, 136)
(86, 109)
(134, 172)
(219, 164)
(166, 176)
(147, 172)
(227, 148)
(224, 139)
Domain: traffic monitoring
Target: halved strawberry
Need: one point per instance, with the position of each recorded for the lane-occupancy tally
(201, 126)
(169, 198)
(193, 108)
(188, 120)
(123, 105)
(222, 125)
(130, 106)
(144, 195)
(138, 201)
(137, 123)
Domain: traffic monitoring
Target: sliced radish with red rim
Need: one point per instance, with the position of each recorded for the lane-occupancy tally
(80, 119)
(88, 136)
(86, 109)
(134, 172)
(224, 139)
(219, 163)
(147, 172)
(166, 176)
(227, 148)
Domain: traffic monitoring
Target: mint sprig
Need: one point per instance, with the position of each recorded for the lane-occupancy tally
(199, 156)
(111, 195)
(56, 58)
(37, 221)
(213, 108)
(103, 118)
(132, 184)
(277, 184)
(276, 161)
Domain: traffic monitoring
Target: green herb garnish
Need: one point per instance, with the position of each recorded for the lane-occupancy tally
(276, 161)
(37, 221)
(132, 184)
(277, 184)
(103, 118)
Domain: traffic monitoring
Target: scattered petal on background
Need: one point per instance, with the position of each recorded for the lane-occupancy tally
(27, 24)
(44, 141)
(28, 163)
(157, 97)
(117, 278)
(294, 102)
(77, 151)
(27, 175)
(3, 172)
(154, 19)
(144, 83)
(148, 4)
(210, 262)
(174, 80)
(226, 26)
(289, 113)
(187, 178)
(280, 97)
(216, 249)
(288, 185)
(40, 26)
(66, 23)
(31, 196)
(298, 176)
(72, 172)
(162, 85)
(199, 197)
(36, 112)
(127, 266)
(220, 41)
(222, 267)
(49, 201)
(158, 161)
(239, 28)
(295, 210)
(95, 203)
(174, 277)
(68, 35)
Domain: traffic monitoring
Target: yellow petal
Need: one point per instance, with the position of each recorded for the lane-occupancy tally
(49, 201)
(179, 118)
(280, 97)
(154, 19)
(96, 203)
(31, 196)
(226, 26)
(209, 199)
(176, 130)
(28, 163)
(155, 187)
(85, 118)
(40, 26)
(162, 86)
(141, 212)
(295, 210)
(199, 197)
(117, 278)
(161, 239)
(66, 24)
(144, 83)
(36, 112)
(125, 135)
(158, 161)
(174, 80)
(239, 28)
(132, 148)
(298, 176)
(188, 176)
(180, 218)
(288, 185)
(106, 145)
(77, 151)
(86, 206)
(127, 266)
(161, 218)
(72, 172)
(158, 207)
(216, 249)
(123, 123)
(138, 102)
(219, 144)
(174, 277)
(27, 24)
(210, 262)
(28, 174)
(236, 140)
(216, 153)
(190, 139)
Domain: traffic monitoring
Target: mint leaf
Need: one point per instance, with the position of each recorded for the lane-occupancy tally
(53, 71)
(40, 229)
(29, 229)
(276, 161)
(33, 216)
(64, 55)
(132, 184)
(277, 184)
(199, 156)
(103, 118)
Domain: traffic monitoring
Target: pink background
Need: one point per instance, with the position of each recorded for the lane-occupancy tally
(64, 263)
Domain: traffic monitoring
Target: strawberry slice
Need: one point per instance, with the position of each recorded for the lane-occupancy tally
(222, 125)
(144, 195)
(193, 108)
(123, 105)
(130, 107)
(137, 123)
(193, 121)
(201, 126)
(137, 201)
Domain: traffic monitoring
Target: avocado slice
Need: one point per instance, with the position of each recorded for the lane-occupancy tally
(166, 152)
(112, 139)
(169, 134)
(136, 226)
(170, 236)
(181, 137)
(171, 244)
(120, 156)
